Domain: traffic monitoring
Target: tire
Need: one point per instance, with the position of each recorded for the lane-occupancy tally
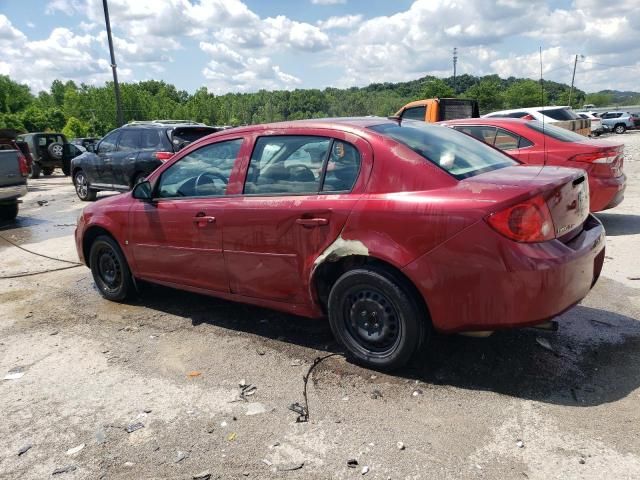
(56, 150)
(47, 171)
(110, 269)
(81, 183)
(375, 315)
(619, 129)
(35, 170)
(9, 212)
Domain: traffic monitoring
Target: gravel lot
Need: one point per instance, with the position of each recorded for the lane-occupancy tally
(172, 362)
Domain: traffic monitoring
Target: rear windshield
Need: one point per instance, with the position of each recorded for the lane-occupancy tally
(556, 132)
(459, 154)
(183, 136)
(559, 113)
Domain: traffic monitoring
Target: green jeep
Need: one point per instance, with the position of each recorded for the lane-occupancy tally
(48, 151)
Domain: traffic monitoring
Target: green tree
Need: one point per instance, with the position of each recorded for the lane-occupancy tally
(75, 128)
(13, 121)
(14, 97)
(524, 93)
(437, 88)
(488, 93)
(600, 99)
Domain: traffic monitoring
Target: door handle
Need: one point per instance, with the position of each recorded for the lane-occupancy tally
(202, 220)
(312, 222)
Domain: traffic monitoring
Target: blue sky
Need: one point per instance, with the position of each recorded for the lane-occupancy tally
(238, 46)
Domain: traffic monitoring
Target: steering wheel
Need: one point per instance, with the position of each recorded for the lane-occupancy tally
(211, 176)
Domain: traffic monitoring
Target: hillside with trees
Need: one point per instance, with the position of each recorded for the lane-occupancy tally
(83, 110)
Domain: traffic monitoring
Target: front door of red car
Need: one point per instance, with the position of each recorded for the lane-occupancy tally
(298, 193)
(177, 238)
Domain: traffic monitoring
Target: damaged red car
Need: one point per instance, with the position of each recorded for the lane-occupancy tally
(392, 230)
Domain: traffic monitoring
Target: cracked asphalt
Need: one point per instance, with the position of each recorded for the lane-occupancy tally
(172, 363)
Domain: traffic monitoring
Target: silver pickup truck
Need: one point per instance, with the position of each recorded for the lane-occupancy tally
(13, 181)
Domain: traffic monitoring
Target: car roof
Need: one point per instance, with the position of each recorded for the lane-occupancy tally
(487, 121)
(532, 109)
(337, 123)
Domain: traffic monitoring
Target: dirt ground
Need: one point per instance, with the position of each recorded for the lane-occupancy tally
(172, 362)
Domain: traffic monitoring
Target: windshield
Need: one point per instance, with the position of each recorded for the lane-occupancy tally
(559, 113)
(556, 132)
(459, 154)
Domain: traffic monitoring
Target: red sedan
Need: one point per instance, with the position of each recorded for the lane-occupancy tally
(525, 141)
(390, 229)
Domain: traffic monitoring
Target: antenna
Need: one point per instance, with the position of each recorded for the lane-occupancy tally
(544, 136)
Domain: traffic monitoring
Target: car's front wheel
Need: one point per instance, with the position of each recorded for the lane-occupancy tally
(35, 170)
(619, 129)
(81, 183)
(376, 317)
(9, 211)
(110, 269)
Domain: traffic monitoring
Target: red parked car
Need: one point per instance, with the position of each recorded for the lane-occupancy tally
(390, 229)
(525, 141)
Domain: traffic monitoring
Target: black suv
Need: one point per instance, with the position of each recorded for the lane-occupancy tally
(127, 154)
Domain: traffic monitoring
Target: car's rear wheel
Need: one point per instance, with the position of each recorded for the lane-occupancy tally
(374, 314)
(81, 183)
(110, 269)
(9, 212)
(35, 170)
(620, 129)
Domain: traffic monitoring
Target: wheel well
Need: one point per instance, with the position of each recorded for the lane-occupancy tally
(75, 169)
(328, 273)
(88, 239)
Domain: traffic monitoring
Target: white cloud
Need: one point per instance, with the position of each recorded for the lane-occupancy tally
(344, 21)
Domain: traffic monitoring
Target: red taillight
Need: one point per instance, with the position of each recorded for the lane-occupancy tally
(528, 117)
(24, 167)
(163, 156)
(529, 221)
(598, 156)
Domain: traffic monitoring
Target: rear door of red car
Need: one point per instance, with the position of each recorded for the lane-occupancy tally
(299, 189)
(177, 238)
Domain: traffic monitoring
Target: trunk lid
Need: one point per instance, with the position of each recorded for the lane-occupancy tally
(182, 136)
(565, 191)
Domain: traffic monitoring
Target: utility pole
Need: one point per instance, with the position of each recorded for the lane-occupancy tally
(573, 77)
(455, 62)
(116, 86)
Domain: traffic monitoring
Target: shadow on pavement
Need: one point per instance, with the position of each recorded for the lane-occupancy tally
(595, 357)
(619, 223)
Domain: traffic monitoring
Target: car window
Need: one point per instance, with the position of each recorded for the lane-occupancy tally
(342, 168)
(108, 143)
(452, 151)
(556, 132)
(415, 113)
(204, 172)
(524, 143)
(506, 140)
(129, 140)
(286, 165)
(483, 133)
(509, 115)
(150, 139)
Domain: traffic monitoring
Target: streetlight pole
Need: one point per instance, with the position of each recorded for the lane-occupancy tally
(455, 62)
(116, 86)
(573, 77)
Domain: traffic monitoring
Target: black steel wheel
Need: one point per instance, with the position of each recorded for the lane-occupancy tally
(81, 183)
(374, 314)
(110, 269)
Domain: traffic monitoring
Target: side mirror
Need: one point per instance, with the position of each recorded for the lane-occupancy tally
(91, 147)
(142, 191)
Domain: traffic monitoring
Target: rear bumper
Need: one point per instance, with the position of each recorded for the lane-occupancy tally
(11, 193)
(606, 193)
(479, 280)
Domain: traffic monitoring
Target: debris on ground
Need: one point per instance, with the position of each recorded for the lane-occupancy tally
(376, 394)
(255, 408)
(352, 463)
(582, 461)
(417, 392)
(232, 436)
(246, 389)
(206, 475)
(633, 278)
(25, 449)
(365, 470)
(180, 456)
(266, 462)
(132, 427)
(291, 467)
(67, 469)
(400, 446)
(43, 203)
(520, 444)
(544, 343)
(15, 373)
(74, 450)
(296, 362)
(101, 437)
(193, 374)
